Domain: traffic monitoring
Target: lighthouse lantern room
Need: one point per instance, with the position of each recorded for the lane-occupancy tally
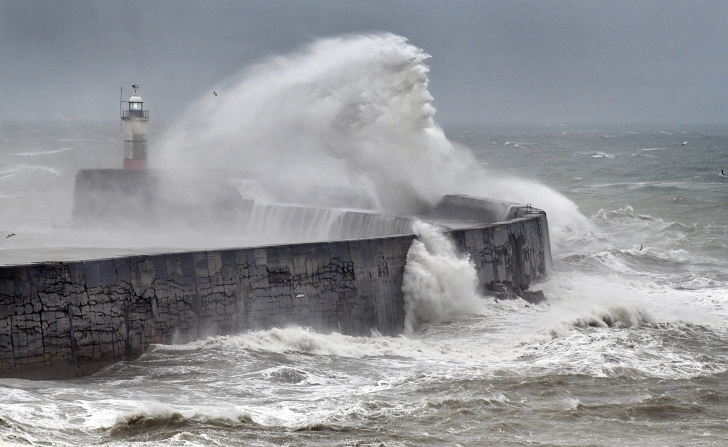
(134, 121)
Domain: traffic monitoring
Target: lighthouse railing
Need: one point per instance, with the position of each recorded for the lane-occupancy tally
(135, 113)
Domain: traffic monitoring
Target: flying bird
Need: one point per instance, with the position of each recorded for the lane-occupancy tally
(214, 92)
(10, 235)
(684, 143)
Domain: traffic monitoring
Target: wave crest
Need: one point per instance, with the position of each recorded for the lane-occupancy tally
(163, 422)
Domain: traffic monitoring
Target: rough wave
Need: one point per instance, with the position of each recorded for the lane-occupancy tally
(297, 340)
(162, 422)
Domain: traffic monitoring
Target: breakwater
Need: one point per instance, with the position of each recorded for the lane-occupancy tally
(61, 319)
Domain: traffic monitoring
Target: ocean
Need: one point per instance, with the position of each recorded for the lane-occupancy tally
(629, 349)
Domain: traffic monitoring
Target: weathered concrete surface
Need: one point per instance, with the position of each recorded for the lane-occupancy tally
(509, 253)
(63, 319)
(70, 317)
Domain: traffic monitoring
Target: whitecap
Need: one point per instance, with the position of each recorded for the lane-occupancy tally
(40, 153)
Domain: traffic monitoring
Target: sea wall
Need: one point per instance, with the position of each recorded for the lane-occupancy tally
(475, 209)
(61, 319)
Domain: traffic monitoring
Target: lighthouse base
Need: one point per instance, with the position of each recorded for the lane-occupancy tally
(135, 165)
(155, 200)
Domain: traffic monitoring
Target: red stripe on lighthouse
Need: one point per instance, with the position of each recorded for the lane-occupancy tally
(135, 164)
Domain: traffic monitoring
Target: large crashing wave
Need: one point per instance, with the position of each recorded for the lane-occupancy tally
(349, 111)
(345, 112)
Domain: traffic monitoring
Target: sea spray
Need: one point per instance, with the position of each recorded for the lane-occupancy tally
(350, 112)
(344, 112)
(438, 283)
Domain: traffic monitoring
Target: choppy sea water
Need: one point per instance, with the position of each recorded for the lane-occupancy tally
(629, 349)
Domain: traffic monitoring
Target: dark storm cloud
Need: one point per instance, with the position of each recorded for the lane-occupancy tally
(492, 61)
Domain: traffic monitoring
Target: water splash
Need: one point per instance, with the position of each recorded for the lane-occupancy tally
(345, 112)
(438, 284)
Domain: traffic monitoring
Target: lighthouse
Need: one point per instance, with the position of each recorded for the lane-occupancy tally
(151, 200)
(134, 120)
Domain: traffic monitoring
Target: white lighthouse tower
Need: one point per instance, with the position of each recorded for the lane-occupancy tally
(135, 132)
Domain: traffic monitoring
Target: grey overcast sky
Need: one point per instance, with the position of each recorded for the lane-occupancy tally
(492, 60)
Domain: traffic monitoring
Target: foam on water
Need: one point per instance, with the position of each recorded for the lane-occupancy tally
(296, 340)
(646, 245)
(41, 153)
(295, 379)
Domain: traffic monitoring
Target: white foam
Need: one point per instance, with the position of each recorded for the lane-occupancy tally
(438, 282)
(605, 325)
(40, 153)
(197, 412)
(586, 327)
(297, 340)
(27, 169)
(601, 155)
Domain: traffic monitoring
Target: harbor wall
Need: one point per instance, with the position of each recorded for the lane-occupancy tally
(61, 319)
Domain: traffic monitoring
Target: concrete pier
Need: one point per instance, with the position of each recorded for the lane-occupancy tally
(61, 319)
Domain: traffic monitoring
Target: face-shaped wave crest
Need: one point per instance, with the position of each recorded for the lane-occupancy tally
(344, 112)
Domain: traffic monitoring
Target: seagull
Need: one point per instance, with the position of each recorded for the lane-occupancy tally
(214, 92)
(640, 247)
(10, 235)
(684, 143)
